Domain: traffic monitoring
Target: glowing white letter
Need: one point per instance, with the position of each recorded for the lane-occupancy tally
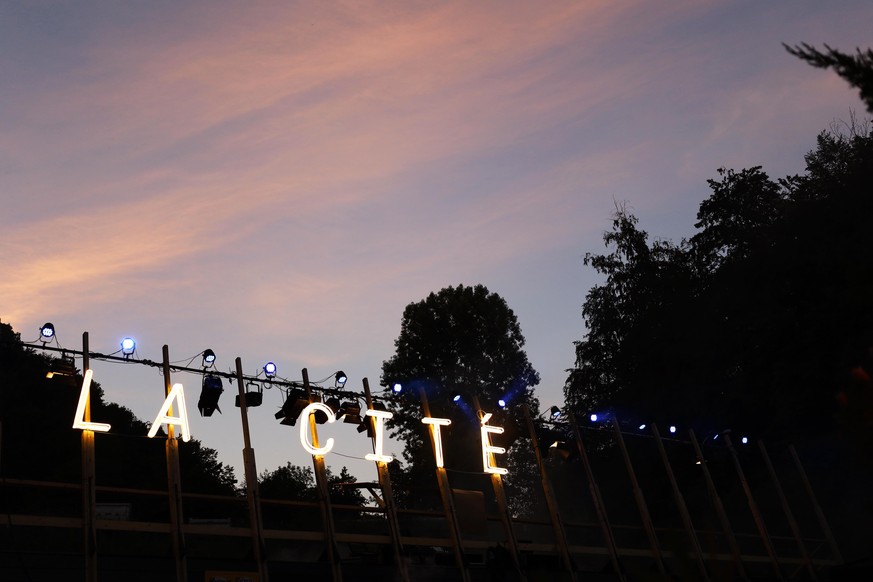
(488, 450)
(436, 423)
(79, 420)
(379, 416)
(303, 420)
(177, 393)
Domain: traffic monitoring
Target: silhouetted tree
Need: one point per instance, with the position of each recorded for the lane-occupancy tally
(39, 441)
(856, 69)
(756, 319)
(463, 341)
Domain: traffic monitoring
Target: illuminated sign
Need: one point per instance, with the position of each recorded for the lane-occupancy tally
(435, 424)
(84, 394)
(177, 396)
(488, 449)
(379, 417)
(164, 414)
(303, 421)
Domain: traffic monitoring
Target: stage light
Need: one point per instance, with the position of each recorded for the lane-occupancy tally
(254, 395)
(128, 346)
(294, 405)
(209, 394)
(47, 333)
(62, 367)
(270, 369)
(350, 412)
(744, 440)
(397, 387)
(208, 358)
(456, 396)
(340, 379)
(672, 429)
(501, 403)
(593, 418)
(333, 403)
(643, 426)
(554, 412)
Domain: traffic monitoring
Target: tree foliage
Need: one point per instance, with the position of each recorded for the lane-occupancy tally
(293, 482)
(39, 441)
(857, 69)
(463, 340)
(756, 319)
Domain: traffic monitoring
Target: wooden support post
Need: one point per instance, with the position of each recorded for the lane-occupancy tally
(447, 498)
(503, 507)
(323, 491)
(719, 509)
(786, 509)
(680, 503)
(256, 520)
(829, 535)
(753, 507)
(551, 503)
(388, 501)
(174, 484)
(640, 500)
(597, 498)
(89, 485)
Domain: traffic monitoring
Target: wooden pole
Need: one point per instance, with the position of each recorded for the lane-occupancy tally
(680, 503)
(446, 496)
(503, 507)
(174, 483)
(551, 503)
(388, 500)
(640, 500)
(823, 522)
(597, 498)
(256, 520)
(753, 507)
(786, 509)
(719, 509)
(323, 490)
(89, 474)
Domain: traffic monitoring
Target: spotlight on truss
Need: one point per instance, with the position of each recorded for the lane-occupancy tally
(208, 358)
(340, 379)
(270, 370)
(47, 333)
(294, 405)
(209, 395)
(128, 346)
(254, 395)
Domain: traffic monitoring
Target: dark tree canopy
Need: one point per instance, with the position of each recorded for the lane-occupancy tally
(755, 320)
(45, 446)
(465, 340)
(857, 69)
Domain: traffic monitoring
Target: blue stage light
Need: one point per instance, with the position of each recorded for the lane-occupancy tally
(340, 379)
(673, 428)
(593, 418)
(208, 358)
(270, 369)
(397, 387)
(128, 346)
(501, 403)
(46, 332)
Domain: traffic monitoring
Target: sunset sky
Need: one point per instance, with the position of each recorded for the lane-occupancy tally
(277, 180)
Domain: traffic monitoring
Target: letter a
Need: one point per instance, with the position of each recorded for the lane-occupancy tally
(79, 420)
(163, 417)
